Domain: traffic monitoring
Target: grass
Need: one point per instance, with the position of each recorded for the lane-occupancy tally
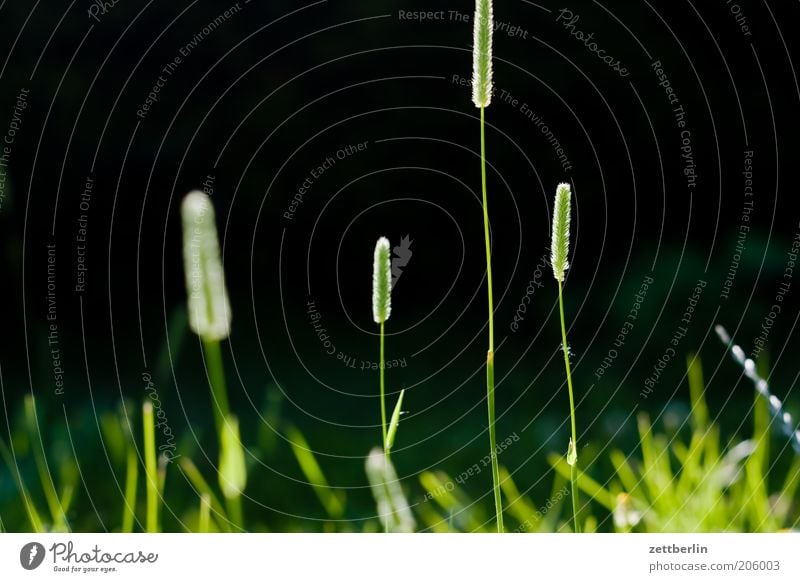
(687, 479)
(481, 97)
(684, 478)
(560, 262)
(381, 310)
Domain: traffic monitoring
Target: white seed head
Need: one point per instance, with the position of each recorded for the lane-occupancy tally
(483, 28)
(559, 244)
(382, 281)
(208, 305)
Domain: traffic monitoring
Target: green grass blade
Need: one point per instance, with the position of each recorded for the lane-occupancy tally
(331, 500)
(151, 467)
(131, 482)
(395, 422)
(194, 476)
(232, 470)
(45, 476)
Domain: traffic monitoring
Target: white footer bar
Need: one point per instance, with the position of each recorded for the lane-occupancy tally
(386, 558)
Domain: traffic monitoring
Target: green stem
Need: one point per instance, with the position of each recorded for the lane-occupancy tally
(383, 393)
(234, 505)
(498, 503)
(216, 378)
(573, 469)
(151, 468)
(132, 476)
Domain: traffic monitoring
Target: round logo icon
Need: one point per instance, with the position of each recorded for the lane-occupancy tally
(31, 555)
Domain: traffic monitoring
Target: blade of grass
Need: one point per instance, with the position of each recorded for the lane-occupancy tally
(192, 473)
(33, 514)
(131, 482)
(395, 422)
(204, 514)
(151, 467)
(46, 478)
(329, 499)
(232, 470)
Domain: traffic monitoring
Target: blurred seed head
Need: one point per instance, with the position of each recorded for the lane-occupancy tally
(208, 305)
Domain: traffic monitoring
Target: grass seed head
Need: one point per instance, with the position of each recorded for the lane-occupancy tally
(382, 281)
(482, 53)
(559, 245)
(208, 305)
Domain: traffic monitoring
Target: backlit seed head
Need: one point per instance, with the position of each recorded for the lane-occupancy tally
(559, 245)
(572, 453)
(483, 27)
(382, 281)
(208, 306)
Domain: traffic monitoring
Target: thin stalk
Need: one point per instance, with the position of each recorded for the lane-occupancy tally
(573, 469)
(383, 393)
(204, 516)
(216, 378)
(498, 502)
(131, 478)
(151, 467)
(234, 507)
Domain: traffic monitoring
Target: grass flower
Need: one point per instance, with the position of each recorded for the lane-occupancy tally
(381, 310)
(559, 249)
(208, 305)
(481, 97)
(483, 27)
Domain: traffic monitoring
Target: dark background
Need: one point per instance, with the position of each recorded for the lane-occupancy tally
(280, 86)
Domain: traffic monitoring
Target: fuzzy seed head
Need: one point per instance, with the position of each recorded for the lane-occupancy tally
(208, 306)
(382, 281)
(559, 245)
(482, 53)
